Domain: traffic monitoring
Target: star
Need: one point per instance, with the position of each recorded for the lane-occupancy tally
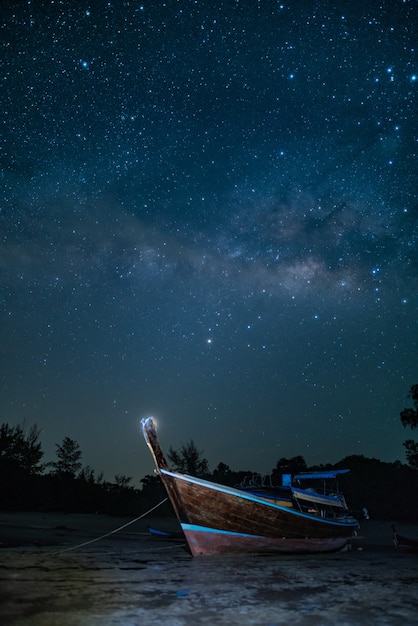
(209, 205)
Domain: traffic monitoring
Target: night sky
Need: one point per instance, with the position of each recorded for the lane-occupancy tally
(209, 215)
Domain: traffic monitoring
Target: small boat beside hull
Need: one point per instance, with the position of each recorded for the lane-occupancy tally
(404, 544)
(165, 534)
(218, 519)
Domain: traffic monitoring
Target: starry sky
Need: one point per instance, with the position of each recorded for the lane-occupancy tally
(209, 214)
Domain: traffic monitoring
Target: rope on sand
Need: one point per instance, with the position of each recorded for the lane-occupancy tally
(112, 532)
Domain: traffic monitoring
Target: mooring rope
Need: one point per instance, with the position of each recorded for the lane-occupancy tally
(112, 532)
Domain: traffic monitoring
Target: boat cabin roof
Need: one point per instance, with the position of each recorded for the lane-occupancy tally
(321, 475)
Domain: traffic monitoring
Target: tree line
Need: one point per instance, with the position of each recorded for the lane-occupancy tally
(27, 483)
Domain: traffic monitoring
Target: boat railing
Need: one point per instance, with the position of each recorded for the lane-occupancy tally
(315, 498)
(249, 482)
(332, 492)
(267, 481)
(325, 511)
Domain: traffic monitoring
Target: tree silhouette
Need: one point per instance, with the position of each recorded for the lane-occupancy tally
(88, 474)
(19, 450)
(68, 462)
(222, 473)
(293, 465)
(20, 466)
(122, 481)
(409, 417)
(189, 460)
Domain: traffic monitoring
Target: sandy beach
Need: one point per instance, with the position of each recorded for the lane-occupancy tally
(62, 569)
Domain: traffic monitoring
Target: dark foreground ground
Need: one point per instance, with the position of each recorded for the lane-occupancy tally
(47, 578)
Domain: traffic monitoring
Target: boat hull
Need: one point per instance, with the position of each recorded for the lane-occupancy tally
(207, 541)
(218, 519)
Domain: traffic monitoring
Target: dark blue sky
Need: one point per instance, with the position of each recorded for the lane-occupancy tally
(209, 214)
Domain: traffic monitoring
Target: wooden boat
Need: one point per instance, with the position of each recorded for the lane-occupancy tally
(404, 544)
(218, 519)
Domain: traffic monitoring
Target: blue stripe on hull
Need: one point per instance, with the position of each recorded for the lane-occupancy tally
(204, 540)
(205, 529)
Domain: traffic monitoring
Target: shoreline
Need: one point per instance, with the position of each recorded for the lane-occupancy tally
(20, 529)
(24, 529)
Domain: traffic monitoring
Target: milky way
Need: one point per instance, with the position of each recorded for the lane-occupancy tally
(209, 214)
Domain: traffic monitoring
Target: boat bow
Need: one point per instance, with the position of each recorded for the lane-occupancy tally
(149, 431)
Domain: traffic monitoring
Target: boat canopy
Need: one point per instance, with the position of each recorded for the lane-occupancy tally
(320, 475)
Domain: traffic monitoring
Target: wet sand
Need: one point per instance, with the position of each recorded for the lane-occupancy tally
(130, 578)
